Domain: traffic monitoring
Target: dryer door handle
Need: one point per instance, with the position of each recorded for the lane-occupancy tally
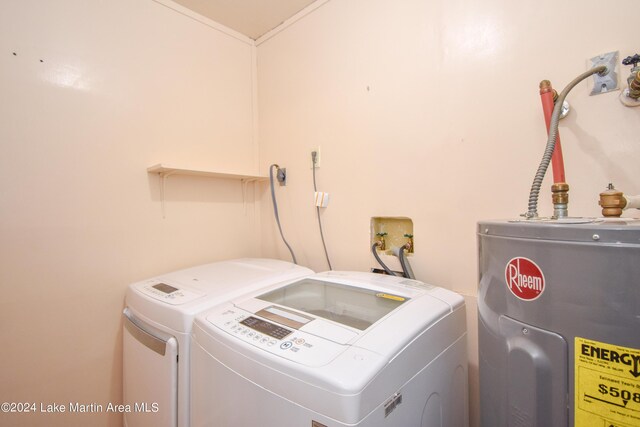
(149, 337)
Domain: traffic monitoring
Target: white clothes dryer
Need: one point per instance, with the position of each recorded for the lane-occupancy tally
(333, 349)
(157, 324)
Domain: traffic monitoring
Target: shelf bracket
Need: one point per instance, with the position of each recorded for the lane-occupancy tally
(164, 172)
(163, 179)
(245, 184)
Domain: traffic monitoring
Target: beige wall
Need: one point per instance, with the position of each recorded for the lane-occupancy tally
(425, 109)
(430, 109)
(123, 85)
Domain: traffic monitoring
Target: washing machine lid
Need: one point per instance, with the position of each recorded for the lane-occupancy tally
(374, 312)
(351, 306)
(173, 299)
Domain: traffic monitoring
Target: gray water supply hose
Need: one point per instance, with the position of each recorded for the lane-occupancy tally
(382, 264)
(551, 141)
(275, 211)
(404, 262)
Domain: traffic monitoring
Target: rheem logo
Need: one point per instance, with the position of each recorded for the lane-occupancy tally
(524, 278)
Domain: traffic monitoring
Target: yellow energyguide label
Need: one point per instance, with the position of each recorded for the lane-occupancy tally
(388, 296)
(607, 385)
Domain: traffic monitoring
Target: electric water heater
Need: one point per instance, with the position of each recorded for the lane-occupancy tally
(559, 323)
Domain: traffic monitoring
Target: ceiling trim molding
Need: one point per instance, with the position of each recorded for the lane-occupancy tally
(295, 18)
(206, 21)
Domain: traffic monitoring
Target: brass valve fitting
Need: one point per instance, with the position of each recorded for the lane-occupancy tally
(612, 202)
(409, 245)
(560, 193)
(545, 86)
(560, 199)
(634, 87)
(382, 244)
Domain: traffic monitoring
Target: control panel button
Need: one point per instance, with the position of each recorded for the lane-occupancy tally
(286, 345)
(266, 328)
(167, 293)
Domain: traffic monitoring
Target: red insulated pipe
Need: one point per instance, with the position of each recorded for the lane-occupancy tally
(557, 161)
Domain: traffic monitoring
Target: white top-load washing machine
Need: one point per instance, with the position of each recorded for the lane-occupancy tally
(157, 325)
(332, 349)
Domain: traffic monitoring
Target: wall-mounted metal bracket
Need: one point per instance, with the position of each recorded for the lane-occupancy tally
(609, 82)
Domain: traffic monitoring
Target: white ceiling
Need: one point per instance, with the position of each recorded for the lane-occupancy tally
(252, 18)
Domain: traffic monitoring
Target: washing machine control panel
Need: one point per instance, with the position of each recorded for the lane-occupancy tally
(266, 328)
(168, 293)
(292, 344)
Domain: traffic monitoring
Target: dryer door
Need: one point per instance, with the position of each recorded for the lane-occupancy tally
(150, 375)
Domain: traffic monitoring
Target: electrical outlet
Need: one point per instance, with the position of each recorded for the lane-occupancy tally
(609, 82)
(317, 150)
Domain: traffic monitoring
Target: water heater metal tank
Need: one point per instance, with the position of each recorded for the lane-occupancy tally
(559, 323)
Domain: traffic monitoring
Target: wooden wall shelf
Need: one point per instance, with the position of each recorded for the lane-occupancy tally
(164, 171)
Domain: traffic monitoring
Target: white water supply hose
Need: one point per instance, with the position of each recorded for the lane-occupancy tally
(633, 202)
